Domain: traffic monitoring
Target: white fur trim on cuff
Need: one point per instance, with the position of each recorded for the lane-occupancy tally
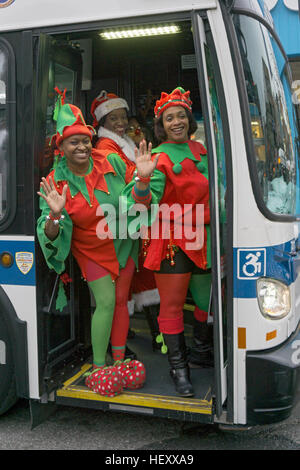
(146, 298)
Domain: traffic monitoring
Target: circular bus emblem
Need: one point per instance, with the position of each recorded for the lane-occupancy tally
(5, 3)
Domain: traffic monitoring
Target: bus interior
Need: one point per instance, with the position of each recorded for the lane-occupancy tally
(138, 69)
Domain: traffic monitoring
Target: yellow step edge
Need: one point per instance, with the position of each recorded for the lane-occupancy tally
(192, 405)
(189, 307)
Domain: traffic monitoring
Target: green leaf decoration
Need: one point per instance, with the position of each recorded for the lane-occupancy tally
(61, 299)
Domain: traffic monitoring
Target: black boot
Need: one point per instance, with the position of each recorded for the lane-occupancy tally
(202, 352)
(178, 361)
(151, 313)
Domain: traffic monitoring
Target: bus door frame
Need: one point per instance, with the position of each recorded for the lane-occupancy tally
(220, 365)
(66, 351)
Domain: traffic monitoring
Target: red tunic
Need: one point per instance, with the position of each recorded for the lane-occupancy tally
(191, 187)
(108, 146)
(85, 244)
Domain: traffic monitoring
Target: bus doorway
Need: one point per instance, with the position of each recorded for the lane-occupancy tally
(138, 70)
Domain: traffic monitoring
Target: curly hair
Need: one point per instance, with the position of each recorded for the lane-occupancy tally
(159, 130)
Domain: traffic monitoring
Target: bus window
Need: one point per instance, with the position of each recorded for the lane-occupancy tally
(64, 78)
(271, 116)
(5, 136)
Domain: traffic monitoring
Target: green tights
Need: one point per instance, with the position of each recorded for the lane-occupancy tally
(104, 293)
(200, 285)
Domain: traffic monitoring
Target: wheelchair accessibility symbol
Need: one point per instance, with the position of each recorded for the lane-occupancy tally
(251, 263)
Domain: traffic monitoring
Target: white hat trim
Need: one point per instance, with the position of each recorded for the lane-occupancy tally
(125, 143)
(110, 105)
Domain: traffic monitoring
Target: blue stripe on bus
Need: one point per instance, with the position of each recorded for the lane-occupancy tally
(249, 264)
(22, 271)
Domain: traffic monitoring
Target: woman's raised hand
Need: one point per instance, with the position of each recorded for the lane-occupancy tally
(144, 165)
(55, 201)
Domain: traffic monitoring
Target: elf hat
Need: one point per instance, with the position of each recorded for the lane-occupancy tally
(104, 104)
(178, 97)
(69, 120)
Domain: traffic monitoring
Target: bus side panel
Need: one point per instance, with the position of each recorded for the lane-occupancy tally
(17, 335)
(272, 396)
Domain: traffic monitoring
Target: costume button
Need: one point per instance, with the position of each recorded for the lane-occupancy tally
(177, 168)
(200, 166)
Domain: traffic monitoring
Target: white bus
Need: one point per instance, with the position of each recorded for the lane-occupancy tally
(228, 55)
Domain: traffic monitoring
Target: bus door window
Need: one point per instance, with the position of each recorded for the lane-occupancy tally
(220, 150)
(271, 113)
(63, 71)
(64, 78)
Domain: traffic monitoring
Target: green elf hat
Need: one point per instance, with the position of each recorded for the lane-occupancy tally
(178, 97)
(69, 120)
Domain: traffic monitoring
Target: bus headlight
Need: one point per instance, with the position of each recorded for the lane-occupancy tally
(274, 298)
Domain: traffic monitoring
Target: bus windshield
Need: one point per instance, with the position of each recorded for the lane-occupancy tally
(273, 121)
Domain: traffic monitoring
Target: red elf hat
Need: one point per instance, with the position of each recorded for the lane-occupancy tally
(104, 104)
(178, 97)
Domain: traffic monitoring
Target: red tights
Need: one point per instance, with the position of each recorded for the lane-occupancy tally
(120, 324)
(172, 290)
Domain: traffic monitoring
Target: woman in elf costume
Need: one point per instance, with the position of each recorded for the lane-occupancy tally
(110, 117)
(72, 218)
(179, 258)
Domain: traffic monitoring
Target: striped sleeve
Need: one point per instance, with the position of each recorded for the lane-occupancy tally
(141, 197)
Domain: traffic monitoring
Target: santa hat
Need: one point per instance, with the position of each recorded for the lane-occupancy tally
(178, 97)
(69, 120)
(104, 104)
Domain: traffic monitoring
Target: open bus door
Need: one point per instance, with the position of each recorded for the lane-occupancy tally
(62, 333)
(214, 120)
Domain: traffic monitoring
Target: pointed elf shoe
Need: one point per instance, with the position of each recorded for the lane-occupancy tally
(133, 373)
(107, 381)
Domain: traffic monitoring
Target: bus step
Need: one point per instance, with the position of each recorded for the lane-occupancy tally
(74, 392)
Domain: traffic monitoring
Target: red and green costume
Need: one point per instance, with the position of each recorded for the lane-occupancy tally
(84, 217)
(106, 262)
(143, 289)
(109, 143)
(181, 177)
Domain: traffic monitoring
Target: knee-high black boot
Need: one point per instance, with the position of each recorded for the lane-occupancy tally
(179, 366)
(151, 312)
(202, 351)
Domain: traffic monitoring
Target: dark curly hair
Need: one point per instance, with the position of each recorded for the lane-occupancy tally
(159, 130)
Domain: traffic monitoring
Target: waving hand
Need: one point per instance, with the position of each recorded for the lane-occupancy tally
(55, 201)
(144, 165)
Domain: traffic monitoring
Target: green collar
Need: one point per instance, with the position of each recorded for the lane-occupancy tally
(177, 153)
(76, 183)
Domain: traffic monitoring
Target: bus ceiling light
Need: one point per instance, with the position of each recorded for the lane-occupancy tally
(140, 32)
(274, 298)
